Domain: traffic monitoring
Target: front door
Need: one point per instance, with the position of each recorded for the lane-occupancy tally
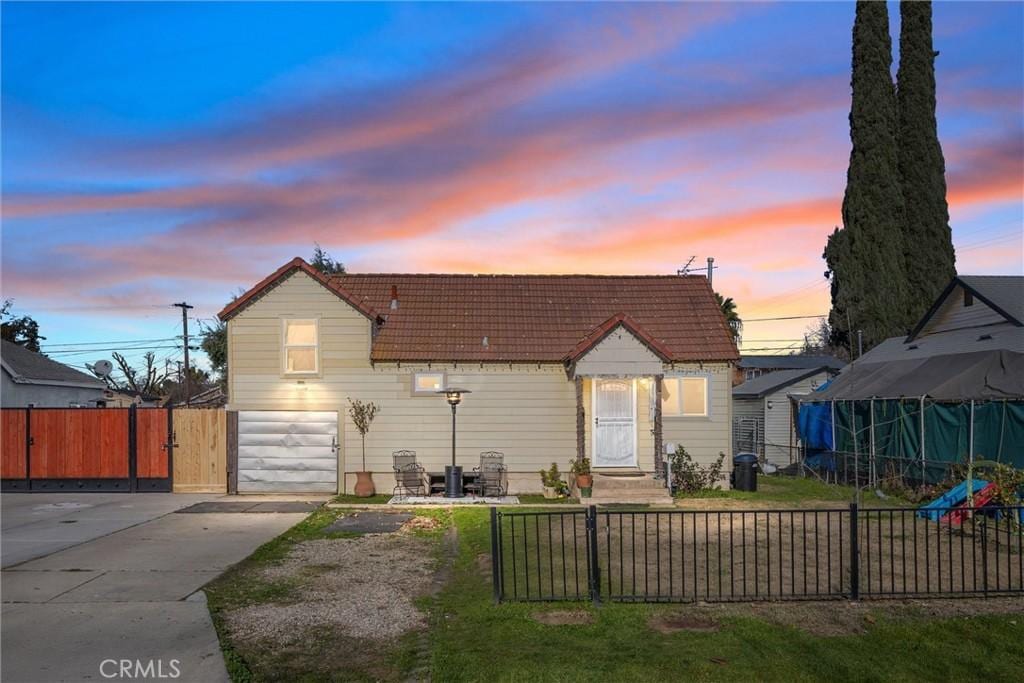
(614, 402)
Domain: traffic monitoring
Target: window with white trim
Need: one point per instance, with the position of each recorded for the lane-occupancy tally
(301, 346)
(684, 396)
(428, 383)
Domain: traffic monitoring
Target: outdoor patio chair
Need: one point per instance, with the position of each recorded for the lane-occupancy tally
(490, 474)
(409, 475)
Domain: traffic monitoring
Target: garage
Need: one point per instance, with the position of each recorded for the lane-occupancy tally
(287, 451)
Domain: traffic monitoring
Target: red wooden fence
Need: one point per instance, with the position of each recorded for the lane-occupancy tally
(13, 445)
(151, 429)
(77, 443)
(85, 449)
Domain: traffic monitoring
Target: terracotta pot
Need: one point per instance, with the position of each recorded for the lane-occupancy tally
(584, 481)
(364, 485)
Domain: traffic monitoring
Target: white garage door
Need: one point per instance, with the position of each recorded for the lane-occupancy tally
(284, 451)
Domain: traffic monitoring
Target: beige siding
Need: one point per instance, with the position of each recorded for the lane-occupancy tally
(526, 410)
(620, 354)
(705, 437)
(953, 315)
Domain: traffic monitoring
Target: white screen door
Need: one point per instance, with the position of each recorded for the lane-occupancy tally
(614, 403)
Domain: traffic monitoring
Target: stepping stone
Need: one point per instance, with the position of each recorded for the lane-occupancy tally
(370, 522)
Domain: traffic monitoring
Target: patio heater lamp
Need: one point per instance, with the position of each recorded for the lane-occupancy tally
(453, 472)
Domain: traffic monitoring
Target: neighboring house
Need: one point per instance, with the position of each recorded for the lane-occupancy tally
(213, 397)
(763, 412)
(32, 379)
(751, 367)
(957, 379)
(126, 398)
(610, 367)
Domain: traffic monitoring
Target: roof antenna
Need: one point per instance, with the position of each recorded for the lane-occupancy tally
(685, 270)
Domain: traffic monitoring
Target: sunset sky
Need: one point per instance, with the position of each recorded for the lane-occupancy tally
(155, 152)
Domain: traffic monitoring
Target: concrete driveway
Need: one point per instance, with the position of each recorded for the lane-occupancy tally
(115, 582)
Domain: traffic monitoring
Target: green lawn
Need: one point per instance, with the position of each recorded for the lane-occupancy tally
(798, 490)
(474, 640)
(347, 499)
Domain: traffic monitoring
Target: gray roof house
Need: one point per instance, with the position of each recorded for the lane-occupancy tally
(31, 379)
(969, 345)
(763, 412)
(751, 367)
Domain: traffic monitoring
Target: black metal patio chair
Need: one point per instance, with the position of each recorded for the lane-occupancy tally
(490, 479)
(410, 477)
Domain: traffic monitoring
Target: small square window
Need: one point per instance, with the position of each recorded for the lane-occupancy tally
(300, 347)
(428, 383)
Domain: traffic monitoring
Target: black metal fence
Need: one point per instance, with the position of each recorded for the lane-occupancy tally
(726, 555)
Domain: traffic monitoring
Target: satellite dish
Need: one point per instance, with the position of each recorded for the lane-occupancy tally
(101, 368)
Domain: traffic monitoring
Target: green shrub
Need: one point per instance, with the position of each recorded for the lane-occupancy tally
(690, 477)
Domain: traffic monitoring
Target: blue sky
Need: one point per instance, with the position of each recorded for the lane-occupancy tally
(160, 152)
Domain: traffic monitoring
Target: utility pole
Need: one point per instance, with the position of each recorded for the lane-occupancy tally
(184, 335)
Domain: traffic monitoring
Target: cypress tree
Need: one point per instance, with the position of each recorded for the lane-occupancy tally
(865, 258)
(928, 259)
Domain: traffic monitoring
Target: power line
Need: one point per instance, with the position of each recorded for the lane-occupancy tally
(71, 345)
(786, 317)
(119, 349)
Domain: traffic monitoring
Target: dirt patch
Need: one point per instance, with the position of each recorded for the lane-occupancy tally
(421, 524)
(360, 587)
(675, 622)
(484, 564)
(563, 618)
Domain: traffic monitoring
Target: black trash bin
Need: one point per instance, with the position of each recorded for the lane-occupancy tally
(744, 472)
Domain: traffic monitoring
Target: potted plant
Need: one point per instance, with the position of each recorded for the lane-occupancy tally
(584, 479)
(362, 415)
(551, 481)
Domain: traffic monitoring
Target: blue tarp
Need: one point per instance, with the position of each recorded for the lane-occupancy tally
(814, 422)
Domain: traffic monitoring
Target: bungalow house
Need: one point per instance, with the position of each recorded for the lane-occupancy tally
(30, 379)
(559, 366)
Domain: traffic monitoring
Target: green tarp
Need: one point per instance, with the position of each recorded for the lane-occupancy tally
(896, 427)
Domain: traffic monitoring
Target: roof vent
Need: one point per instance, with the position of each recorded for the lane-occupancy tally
(394, 297)
(486, 342)
(912, 347)
(985, 337)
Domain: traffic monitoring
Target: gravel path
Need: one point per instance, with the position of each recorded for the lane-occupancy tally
(363, 587)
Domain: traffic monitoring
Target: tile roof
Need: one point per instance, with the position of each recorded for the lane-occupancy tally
(542, 318)
(525, 318)
(29, 367)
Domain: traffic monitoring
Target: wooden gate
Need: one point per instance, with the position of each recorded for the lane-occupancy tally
(86, 449)
(200, 450)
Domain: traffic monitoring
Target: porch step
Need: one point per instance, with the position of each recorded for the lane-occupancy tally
(620, 483)
(636, 490)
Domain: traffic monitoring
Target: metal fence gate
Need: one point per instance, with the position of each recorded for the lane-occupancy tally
(744, 555)
(86, 449)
